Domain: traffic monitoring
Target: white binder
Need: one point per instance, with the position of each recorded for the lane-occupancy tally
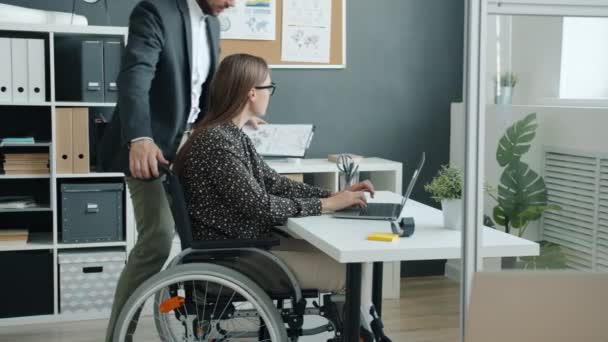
(19, 64)
(35, 64)
(6, 74)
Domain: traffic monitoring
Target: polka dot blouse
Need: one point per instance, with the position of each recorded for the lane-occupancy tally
(231, 193)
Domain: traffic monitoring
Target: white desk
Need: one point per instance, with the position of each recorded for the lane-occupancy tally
(344, 240)
(384, 174)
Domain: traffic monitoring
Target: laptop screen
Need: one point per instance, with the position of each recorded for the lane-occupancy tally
(410, 187)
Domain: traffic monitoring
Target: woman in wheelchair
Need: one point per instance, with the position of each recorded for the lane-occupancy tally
(231, 193)
(233, 196)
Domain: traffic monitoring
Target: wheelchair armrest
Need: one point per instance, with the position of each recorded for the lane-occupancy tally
(264, 243)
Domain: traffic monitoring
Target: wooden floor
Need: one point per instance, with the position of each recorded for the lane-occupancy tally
(427, 311)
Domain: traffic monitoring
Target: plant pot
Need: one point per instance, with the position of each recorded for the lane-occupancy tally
(505, 97)
(452, 213)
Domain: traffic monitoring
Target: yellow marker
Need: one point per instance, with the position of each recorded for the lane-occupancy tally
(386, 237)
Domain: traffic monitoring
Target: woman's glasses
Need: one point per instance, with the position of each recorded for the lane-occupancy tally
(272, 87)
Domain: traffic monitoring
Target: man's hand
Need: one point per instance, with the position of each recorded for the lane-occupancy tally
(255, 122)
(144, 157)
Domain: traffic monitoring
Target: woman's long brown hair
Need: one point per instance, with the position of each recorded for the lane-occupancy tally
(228, 95)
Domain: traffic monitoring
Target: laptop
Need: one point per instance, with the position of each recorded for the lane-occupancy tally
(382, 211)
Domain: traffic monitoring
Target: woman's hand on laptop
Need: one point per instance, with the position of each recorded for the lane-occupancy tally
(365, 186)
(342, 200)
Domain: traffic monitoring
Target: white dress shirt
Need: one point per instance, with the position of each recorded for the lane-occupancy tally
(201, 59)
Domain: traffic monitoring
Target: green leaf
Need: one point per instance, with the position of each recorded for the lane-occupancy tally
(536, 211)
(516, 141)
(499, 216)
(447, 184)
(521, 193)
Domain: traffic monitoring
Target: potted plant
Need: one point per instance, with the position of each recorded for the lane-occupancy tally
(521, 195)
(505, 84)
(446, 188)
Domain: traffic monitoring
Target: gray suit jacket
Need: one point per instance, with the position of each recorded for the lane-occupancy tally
(154, 83)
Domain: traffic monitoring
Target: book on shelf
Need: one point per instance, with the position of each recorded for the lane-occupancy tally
(12, 237)
(17, 202)
(24, 172)
(17, 140)
(24, 163)
(13, 243)
(24, 156)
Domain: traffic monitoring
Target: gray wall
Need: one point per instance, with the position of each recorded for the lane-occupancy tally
(404, 68)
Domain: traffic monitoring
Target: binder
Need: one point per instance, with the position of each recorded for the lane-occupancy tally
(64, 156)
(80, 140)
(19, 65)
(6, 74)
(112, 50)
(92, 71)
(36, 67)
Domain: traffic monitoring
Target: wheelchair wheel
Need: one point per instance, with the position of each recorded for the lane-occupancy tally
(200, 302)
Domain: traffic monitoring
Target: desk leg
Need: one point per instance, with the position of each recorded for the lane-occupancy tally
(352, 318)
(377, 287)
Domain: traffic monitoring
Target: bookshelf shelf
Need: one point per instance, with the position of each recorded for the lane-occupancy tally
(26, 104)
(84, 104)
(47, 217)
(25, 210)
(37, 144)
(91, 175)
(91, 245)
(36, 241)
(25, 176)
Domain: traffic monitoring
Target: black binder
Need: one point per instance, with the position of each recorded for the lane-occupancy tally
(112, 50)
(92, 71)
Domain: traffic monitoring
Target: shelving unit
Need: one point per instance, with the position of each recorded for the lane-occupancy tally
(49, 237)
(36, 242)
(41, 176)
(84, 104)
(28, 209)
(38, 144)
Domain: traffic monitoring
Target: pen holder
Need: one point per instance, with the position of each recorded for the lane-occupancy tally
(346, 180)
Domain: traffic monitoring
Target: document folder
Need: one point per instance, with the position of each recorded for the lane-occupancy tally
(80, 140)
(92, 71)
(112, 51)
(6, 74)
(19, 65)
(64, 156)
(36, 67)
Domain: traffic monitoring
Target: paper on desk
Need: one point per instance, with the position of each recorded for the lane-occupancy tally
(249, 19)
(280, 140)
(306, 31)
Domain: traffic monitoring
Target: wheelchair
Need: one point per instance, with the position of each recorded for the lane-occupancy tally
(223, 291)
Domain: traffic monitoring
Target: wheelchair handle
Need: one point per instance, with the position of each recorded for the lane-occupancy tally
(164, 169)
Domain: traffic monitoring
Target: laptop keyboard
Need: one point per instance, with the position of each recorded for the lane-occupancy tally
(377, 209)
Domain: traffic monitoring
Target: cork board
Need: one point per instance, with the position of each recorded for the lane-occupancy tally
(270, 50)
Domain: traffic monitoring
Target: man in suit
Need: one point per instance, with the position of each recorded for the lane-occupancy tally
(167, 66)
